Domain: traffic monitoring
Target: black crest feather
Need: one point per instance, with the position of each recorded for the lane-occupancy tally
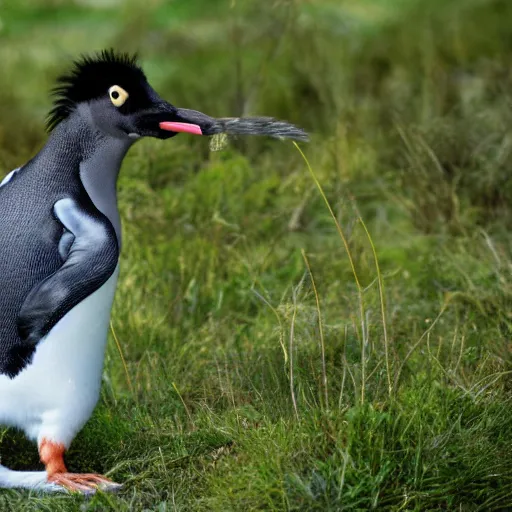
(89, 78)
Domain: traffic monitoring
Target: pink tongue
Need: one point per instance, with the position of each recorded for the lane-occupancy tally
(181, 127)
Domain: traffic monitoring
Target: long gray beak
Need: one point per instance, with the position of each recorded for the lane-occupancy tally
(192, 121)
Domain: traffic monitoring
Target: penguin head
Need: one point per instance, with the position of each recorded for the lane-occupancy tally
(111, 92)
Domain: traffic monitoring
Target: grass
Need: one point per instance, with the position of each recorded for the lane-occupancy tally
(270, 363)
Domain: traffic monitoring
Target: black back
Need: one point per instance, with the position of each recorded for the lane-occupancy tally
(30, 234)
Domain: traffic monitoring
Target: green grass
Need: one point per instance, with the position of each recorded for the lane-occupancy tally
(400, 372)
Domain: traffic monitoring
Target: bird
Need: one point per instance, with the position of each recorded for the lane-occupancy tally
(60, 244)
(60, 241)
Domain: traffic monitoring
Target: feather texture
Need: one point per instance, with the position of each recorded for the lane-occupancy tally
(258, 126)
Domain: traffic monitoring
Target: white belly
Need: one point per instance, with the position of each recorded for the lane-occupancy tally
(55, 395)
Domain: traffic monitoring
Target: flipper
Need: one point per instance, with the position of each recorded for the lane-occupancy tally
(90, 260)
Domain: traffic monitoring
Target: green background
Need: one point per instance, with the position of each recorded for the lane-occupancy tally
(400, 377)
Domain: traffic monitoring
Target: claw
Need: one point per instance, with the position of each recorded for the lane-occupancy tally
(85, 483)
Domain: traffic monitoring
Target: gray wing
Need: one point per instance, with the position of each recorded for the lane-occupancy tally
(91, 254)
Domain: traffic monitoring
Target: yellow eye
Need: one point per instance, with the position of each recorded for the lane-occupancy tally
(118, 95)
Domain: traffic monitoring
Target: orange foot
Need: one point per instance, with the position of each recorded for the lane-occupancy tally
(52, 456)
(83, 482)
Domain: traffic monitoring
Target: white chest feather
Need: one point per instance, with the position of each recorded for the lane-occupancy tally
(55, 395)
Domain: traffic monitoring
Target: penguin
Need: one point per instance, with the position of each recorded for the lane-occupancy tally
(60, 241)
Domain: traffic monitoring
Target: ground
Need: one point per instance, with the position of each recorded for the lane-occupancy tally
(331, 335)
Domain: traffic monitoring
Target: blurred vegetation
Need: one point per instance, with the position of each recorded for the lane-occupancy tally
(408, 104)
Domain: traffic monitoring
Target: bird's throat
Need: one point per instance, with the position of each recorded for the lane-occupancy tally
(99, 173)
